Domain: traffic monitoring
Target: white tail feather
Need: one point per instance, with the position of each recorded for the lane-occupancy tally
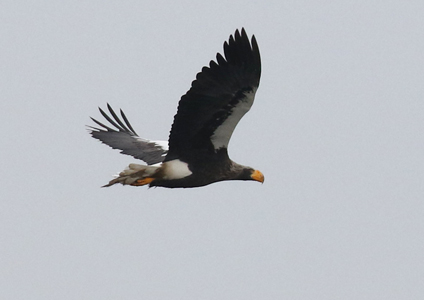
(133, 173)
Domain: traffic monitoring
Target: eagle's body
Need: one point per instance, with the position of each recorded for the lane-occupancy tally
(207, 115)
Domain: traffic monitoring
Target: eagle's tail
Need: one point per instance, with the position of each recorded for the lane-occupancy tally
(136, 175)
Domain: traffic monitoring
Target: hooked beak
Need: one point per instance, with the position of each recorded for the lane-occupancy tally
(258, 176)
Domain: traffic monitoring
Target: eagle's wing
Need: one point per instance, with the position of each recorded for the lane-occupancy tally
(124, 138)
(219, 97)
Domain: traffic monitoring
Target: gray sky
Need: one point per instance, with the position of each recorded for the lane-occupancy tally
(336, 128)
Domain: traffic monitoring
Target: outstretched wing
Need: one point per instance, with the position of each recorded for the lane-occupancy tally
(219, 97)
(125, 139)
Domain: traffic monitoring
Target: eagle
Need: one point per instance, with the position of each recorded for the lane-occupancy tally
(196, 152)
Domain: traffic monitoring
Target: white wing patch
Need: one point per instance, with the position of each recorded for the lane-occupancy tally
(175, 169)
(222, 134)
(163, 144)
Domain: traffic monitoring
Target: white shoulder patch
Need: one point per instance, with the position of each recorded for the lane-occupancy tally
(163, 144)
(222, 134)
(175, 169)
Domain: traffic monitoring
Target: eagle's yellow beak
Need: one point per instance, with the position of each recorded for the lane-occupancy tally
(258, 176)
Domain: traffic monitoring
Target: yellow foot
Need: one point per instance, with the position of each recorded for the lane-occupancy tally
(143, 181)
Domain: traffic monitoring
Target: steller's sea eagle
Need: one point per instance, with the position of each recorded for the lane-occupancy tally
(207, 114)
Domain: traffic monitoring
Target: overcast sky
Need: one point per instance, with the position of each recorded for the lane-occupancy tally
(336, 128)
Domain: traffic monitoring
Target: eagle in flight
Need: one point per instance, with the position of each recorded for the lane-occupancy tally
(196, 152)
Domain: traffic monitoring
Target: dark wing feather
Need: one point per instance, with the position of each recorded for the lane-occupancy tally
(126, 139)
(221, 94)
